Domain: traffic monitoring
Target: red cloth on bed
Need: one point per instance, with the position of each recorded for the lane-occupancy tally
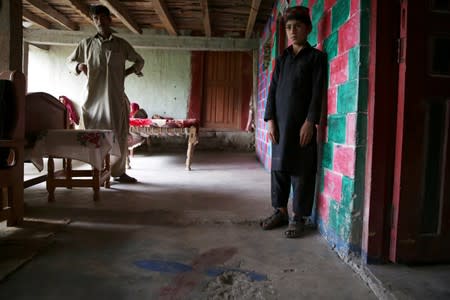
(170, 123)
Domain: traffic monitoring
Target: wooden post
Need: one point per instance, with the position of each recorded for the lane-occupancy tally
(51, 179)
(96, 183)
(68, 170)
(26, 52)
(11, 35)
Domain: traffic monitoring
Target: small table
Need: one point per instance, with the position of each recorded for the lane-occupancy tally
(92, 146)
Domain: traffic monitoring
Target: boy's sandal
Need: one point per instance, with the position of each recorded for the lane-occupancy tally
(277, 219)
(295, 229)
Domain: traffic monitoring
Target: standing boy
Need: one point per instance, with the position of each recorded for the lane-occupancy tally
(293, 109)
(102, 59)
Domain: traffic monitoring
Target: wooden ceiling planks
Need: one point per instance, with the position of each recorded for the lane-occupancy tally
(40, 22)
(205, 17)
(210, 18)
(81, 9)
(251, 20)
(121, 12)
(165, 16)
(53, 14)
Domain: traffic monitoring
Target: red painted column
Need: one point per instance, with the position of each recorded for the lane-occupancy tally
(246, 87)
(196, 96)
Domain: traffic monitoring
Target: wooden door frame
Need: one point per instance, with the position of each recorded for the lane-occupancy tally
(196, 94)
(413, 206)
(381, 129)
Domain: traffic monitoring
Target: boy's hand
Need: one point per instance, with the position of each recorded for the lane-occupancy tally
(273, 131)
(306, 133)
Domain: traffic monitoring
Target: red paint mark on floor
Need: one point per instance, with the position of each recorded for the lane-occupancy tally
(185, 282)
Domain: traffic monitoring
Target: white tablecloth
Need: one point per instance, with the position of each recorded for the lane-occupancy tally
(90, 146)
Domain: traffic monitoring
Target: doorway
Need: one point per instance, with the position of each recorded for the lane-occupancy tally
(408, 171)
(223, 87)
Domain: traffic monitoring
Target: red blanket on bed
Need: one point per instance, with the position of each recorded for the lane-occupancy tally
(169, 123)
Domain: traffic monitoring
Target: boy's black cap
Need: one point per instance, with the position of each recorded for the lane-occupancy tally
(299, 13)
(99, 9)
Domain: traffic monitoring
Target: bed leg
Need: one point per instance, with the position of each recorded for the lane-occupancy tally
(128, 161)
(191, 145)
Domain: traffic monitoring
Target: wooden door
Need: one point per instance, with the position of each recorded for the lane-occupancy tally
(222, 101)
(420, 230)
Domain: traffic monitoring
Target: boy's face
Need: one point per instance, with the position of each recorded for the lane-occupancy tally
(102, 22)
(297, 31)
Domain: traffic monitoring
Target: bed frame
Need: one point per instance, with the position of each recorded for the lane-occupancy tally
(190, 132)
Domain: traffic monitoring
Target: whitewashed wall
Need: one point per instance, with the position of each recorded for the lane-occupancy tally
(163, 90)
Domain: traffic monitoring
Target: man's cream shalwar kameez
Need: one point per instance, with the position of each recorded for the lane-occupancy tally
(104, 105)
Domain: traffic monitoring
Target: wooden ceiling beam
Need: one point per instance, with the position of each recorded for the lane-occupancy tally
(42, 47)
(205, 17)
(252, 18)
(40, 22)
(82, 9)
(164, 15)
(145, 41)
(53, 14)
(122, 14)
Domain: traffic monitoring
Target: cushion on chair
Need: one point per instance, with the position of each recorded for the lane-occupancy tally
(74, 118)
(7, 109)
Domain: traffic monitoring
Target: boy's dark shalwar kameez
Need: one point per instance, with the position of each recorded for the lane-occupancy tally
(295, 95)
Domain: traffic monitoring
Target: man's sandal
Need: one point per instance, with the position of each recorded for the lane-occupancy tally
(277, 219)
(124, 178)
(295, 229)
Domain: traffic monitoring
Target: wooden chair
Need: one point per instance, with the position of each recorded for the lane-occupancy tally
(11, 178)
(40, 104)
(57, 120)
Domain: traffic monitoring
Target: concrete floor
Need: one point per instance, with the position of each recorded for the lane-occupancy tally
(174, 235)
(413, 281)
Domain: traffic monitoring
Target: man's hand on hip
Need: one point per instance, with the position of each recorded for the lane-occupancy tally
(82, 68)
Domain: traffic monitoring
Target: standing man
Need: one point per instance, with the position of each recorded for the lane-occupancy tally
(102, 59)
(292, 112)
